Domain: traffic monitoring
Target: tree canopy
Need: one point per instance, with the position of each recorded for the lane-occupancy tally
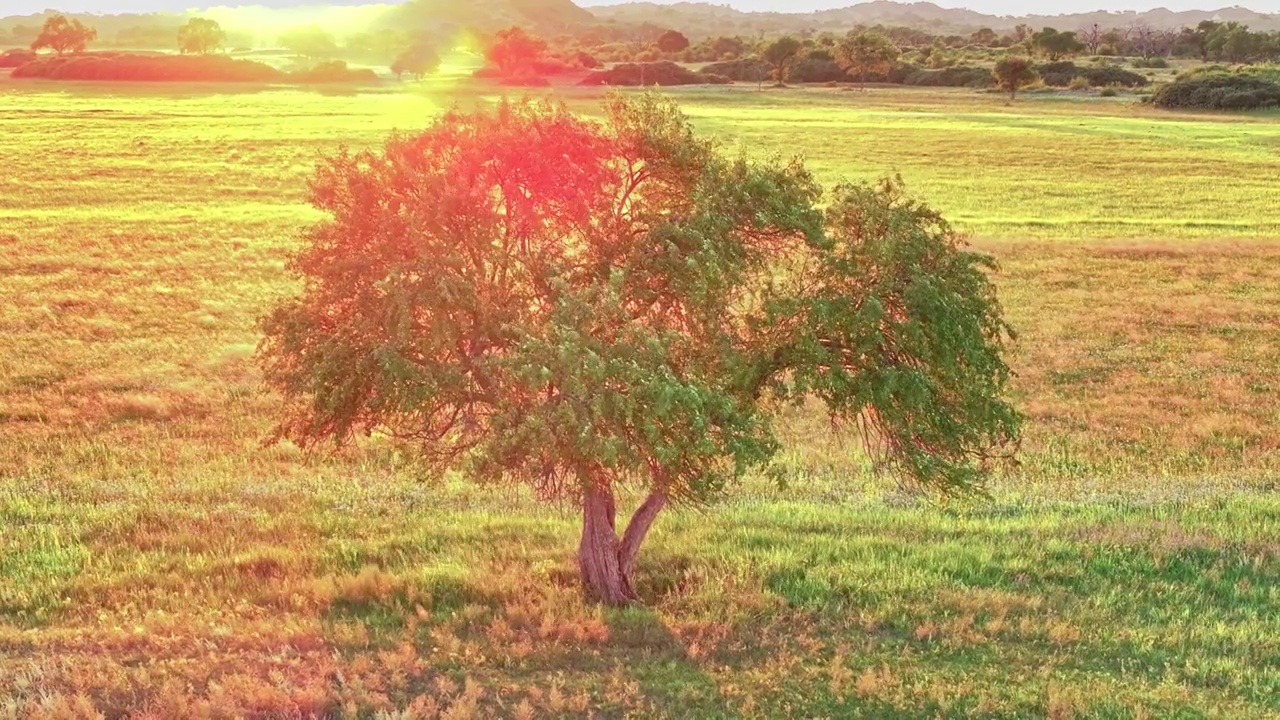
(416, 61)
(1054, 44)
(1012, 73)
(200, 36)
(865, 53)
(672, 41)
(779, 55)
(514, 51)
(532, 297)
(62, 35)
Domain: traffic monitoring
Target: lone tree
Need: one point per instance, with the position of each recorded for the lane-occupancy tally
(62, 36)
(779, 55)
(672, 41)
(417, 61)
(1055, 45)
(200, 36)
(532, 297)
(865, 53)
(514, 51)
(1012, 73)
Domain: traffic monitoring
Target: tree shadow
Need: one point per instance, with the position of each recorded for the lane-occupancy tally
(660, 664)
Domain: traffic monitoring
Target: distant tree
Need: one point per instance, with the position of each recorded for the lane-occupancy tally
(416, 61)
(513, 51)
(985, 37)
(311, 42)
(588, 61)
(1055, 45)
(1093, 37)
(779, 55)
(200, 36)
(531, 297)
(1012, 73)
(1234, 42)
(62, 35)
(672, 42)
(866, 52)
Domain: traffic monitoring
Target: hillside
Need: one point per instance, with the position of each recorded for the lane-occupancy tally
(707, 19)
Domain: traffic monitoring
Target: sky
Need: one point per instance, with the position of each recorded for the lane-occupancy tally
(995, 7)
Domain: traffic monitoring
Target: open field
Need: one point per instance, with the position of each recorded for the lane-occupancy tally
(154, 556)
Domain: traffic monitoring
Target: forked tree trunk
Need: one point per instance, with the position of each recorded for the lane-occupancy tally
(608, 564)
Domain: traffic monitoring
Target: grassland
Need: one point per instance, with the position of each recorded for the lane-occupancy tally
(156, 558)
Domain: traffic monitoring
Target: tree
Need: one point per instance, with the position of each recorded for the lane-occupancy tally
(1012, 73)
(672, 42)
(532, 297)
(311, 42)
(513, 51)
(62, 36)
(200, 36)
(865, 53)
(1092, 36)
(985, 37)
(417, 61)
(779, 55)
(1055, 45)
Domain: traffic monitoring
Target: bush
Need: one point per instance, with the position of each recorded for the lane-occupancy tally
(1109, 75)
(655, 73)
(150, 68)
(1109, 92)
(334, 71)
(1078, 83)
(1218, 91)
(969, 76)
(1064, 73)
(16, 58)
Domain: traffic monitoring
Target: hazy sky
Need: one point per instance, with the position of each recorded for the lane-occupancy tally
(998, 7)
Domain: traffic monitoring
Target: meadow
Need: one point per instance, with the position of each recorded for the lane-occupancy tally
(157, 559)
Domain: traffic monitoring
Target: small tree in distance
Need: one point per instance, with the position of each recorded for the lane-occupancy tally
(866, 52)
(672, 41)
(417, 61)
(779, 55)
(514, 51)
(532, 297)
(200, 36)
(62, 35)
(1012, 73)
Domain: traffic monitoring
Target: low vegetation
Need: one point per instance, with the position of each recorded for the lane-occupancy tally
(650, 74)
(130, 67)
(167, 562)
(1219, 90)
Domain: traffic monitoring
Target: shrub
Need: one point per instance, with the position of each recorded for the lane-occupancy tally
(150, 68)
(1109, 75)
(1109, 92)
(1058, 74)
(656, 73)
(130, 67)
(589, 62)
(1063, 74)
(16, 58)
(1078, 83)
(334, 71)
(969, 76)
(1218, 91)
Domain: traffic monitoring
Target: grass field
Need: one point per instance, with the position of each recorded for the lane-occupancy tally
(155, 558)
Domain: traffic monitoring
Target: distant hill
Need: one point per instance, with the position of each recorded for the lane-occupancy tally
(707, 19)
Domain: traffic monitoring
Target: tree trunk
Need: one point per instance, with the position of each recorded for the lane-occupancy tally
(606, 563)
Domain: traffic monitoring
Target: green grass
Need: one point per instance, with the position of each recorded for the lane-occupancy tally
(155, 557)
